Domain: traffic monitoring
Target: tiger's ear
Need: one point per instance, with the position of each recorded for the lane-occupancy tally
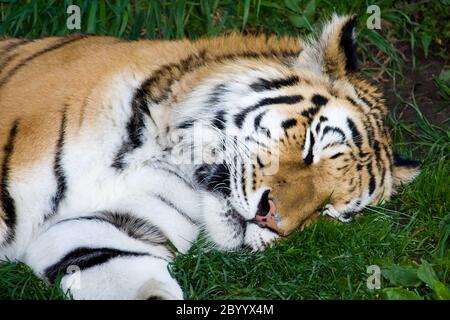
(338, 46)
(404, 171)
(335, 51)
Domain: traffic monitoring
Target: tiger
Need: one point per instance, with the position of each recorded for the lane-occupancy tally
(117, 154)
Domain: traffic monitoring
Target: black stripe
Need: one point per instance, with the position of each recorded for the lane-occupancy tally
(277, 54)
(259, 143)
(214, 178)
(258, 119)
(289, 123)
(399, 161)
(319, 100)
(133, 227)
(6, 61)
(260, 164)
(216, 94)
(356, 136)
(348, 44)
(61, 181)
(10, 49)
(135, 126)
(8, 204)
(219, 121)
(186, 124)
(337, 155)
(328, 129)
(264, 84)
(243, 180)
(240, 117)
(332, 144)
(311, 112)
(351, 100)
(235, 162)
(309, 157)
(35, 55)
(318, 127)
(378, 161)
(170, 204)
(13, 45)
(172, 72)
(364, 99)
(372, 183)
(85, 258)
(140, 101)
(172, 172)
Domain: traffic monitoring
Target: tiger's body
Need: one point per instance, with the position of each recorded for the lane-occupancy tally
(95, 176)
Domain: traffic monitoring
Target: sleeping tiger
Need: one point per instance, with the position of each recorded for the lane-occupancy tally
(115, 154)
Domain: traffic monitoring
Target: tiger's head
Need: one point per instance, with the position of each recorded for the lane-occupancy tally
(301, 133)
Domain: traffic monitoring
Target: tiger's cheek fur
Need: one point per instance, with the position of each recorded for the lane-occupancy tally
(295, 188)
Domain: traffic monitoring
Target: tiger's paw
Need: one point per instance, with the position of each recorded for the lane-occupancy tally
(332, 212)
(159, 290)
(259, 239)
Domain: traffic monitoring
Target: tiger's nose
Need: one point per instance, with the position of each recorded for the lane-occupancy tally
(266, 214)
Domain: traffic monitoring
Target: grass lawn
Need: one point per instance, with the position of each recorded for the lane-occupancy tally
(407, 238)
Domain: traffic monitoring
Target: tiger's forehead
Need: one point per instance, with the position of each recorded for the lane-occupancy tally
(246, 76)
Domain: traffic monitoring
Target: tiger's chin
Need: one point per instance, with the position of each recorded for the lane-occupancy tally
(229, 230)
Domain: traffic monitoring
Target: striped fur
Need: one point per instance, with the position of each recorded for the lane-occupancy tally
(116, 153)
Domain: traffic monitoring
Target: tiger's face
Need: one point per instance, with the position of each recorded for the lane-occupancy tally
(338, 159)
(317, 141)
(333, 153)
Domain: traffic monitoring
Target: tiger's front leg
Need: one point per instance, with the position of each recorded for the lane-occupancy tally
(230, 231)
(258, 238)
(105, 256)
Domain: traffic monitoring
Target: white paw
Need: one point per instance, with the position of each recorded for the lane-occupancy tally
(223, 227)
(332, 212)
(158, 290)
(258, 238)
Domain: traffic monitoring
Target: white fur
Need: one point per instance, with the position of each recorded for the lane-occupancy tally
(259, 239)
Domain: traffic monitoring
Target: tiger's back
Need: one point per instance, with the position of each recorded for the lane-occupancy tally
(38, 78)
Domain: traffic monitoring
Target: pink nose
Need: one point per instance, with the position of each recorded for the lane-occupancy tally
(268, 220)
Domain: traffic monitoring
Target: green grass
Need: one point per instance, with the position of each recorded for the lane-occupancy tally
(408, 238)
